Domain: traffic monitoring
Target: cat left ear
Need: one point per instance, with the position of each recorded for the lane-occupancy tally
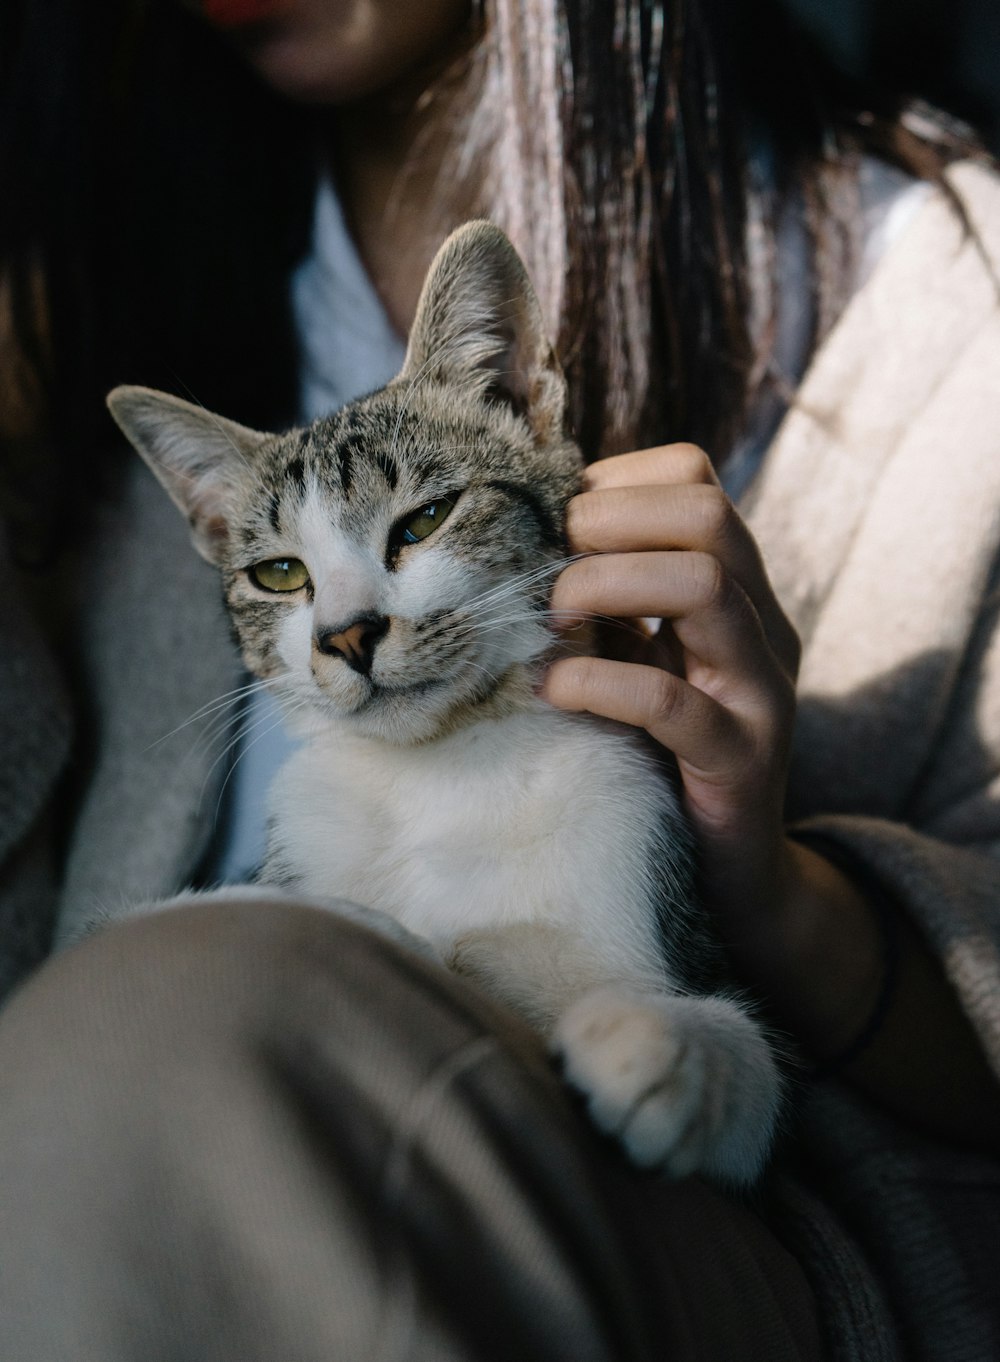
(200, 458)
(479, 323)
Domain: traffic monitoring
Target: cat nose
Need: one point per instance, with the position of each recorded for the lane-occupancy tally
(354, 642)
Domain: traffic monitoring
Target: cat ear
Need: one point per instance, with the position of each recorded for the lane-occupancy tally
(201, 459)
(479, 323)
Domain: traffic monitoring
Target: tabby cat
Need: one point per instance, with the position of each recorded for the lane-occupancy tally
(387, 571)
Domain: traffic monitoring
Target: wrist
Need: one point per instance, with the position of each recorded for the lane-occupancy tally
(843, 971)
(816, 951)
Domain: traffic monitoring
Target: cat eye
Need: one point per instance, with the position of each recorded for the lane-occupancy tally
(424, 522)
(279, 574)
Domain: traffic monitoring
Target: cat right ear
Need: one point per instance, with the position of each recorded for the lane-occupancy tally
(479, 324)
(200, 458)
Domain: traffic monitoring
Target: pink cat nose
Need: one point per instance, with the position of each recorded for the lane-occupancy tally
(354, 642)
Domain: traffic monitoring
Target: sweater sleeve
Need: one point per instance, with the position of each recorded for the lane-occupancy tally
(35, 739)
(878, 513)
(940, 859)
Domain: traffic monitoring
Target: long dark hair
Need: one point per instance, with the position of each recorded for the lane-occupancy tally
(154, 197)
(624, 132)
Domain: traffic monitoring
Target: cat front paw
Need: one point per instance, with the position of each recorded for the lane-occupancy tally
(685, 1084)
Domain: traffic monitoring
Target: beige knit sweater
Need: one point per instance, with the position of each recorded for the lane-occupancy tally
(878, 510)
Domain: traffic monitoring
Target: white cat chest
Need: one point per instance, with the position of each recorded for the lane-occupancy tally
(476, 828)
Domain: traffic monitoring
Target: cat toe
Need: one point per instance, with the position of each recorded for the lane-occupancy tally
(685, 1084)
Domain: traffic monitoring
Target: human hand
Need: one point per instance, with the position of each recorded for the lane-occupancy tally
(716, 684)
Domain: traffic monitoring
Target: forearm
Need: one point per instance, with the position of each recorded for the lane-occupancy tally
(819, 956)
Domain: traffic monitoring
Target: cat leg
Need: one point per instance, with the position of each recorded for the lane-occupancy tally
(686, 1084)
(536, 968)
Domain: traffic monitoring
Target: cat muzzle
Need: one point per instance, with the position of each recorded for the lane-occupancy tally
(354, 642)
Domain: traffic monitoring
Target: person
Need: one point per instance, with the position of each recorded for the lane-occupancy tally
(254, 1130)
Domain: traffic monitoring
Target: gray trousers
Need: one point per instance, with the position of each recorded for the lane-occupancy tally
(258, 1133)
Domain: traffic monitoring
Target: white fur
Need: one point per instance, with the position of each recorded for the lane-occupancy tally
(687, 1084)
(475, 830)
(518, 847)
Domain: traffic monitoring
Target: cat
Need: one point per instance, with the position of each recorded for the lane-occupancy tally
(387, 571)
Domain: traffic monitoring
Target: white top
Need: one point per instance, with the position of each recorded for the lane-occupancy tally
(348, 345)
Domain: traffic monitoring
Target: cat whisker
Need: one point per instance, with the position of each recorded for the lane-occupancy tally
(485, 623)
(226, 721)
(611, 621)
(525, 579)
(241, 454)
(489, 623)
(520, 580)
(492, 678)
(224, 716)
(493, 598)
(263, 728)
(210, 708)
(469, 664)
(593, 617)
(499, 600)
(223, 711)
(242, 728)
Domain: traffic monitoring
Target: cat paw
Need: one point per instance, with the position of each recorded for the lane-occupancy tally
(685, 1084)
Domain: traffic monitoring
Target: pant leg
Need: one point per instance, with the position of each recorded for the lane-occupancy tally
(258, 1133)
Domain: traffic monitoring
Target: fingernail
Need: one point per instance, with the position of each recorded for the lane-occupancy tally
(563, 621)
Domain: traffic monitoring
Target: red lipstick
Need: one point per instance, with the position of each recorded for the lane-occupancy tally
(240, 13)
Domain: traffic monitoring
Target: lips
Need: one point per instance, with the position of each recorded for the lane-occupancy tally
(241, 13)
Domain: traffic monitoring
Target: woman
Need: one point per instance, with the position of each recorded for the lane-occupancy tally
(707, 227)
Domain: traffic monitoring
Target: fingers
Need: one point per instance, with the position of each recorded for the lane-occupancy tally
(625, 517)
(711, 615)
(662, 516)
(696, 728)
(677, 463)
(660, 539)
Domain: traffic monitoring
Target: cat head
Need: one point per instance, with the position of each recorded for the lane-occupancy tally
(389, 565)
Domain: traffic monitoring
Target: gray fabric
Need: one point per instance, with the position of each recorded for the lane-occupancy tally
(155, 649)
(347, 342)
(268, 1134)
(855, 1317)
(35, 728)
(926, 1219)
(36, 733)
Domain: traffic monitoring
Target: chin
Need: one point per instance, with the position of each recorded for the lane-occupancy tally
(339, 51)
(422, 711)
(405, 718)
(307, 75)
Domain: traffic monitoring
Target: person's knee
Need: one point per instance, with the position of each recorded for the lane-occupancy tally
(232, 977)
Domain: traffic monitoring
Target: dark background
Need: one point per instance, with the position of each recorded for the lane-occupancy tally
(948, 51)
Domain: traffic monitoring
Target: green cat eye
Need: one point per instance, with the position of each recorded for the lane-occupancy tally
(426, 520)
(280, 574)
